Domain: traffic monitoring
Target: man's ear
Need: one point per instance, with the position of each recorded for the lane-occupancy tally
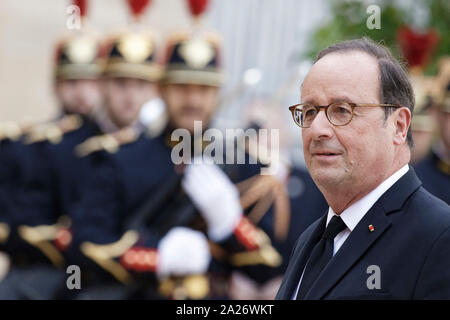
(402, 121)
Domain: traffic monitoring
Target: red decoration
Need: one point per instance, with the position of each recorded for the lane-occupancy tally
(417, 48)
(82, 4)
(63, 238)
(246, 234)
(140, 259)
(371, 228)
(197, 7)
(137, 7)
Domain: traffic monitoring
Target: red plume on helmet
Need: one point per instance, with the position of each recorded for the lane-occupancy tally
(82, 4)
(137, 7)
(197, 7)
(417, 48)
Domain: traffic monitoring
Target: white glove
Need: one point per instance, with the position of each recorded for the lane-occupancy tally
(183, 251)
(215, 196)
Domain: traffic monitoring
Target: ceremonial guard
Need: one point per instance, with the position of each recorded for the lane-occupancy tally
(51, 187)
(434, 170)
(143, 215)
(432, 112)
(25, 190)
(426, 91)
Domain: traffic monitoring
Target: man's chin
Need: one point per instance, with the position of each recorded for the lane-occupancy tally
(125, 121)
(326, 176)
(189, 124)
(85, 112)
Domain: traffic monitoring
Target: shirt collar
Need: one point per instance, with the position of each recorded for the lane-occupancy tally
(353, 214)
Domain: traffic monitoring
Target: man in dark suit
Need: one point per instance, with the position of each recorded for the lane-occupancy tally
(384, 236)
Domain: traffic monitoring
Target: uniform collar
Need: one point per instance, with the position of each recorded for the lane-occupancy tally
(106, 125)
(438, 152)
(167, 138)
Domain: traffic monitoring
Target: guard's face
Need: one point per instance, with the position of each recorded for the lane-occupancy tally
(187, 103)
(80, 96)
(124, 98)
(422, 143)
(443, 120)
(358, 154)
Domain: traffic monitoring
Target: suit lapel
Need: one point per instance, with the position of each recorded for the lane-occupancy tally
(299, 259)
(358, 242)
(361, 238)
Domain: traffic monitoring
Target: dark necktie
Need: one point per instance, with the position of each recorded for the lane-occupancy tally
(320, 255)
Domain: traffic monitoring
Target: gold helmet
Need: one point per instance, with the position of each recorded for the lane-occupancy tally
(193, 57)
(425, 95)
(78, 56)
(132, 55)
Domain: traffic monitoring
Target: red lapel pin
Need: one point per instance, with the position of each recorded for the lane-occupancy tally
(371, 228)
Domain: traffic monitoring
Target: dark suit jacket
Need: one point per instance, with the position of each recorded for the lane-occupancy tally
(410, 244)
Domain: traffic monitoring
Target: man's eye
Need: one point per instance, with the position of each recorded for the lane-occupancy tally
(309, 112)
(342, 110)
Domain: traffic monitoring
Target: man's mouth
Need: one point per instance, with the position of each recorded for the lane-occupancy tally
(326, 155)
(191, 111)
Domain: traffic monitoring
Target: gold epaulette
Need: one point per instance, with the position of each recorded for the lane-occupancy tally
(12, 130)
(104, 254)
(42, 236)
(108, 142)
(259, 249)
(4, 232)
(266, 254)
(193, 287)
(55, 130)
(444, 167)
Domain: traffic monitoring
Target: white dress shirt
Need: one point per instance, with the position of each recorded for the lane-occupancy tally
(353, 214)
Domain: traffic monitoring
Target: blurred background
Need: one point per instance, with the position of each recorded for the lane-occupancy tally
(257, 33)
(275, 41)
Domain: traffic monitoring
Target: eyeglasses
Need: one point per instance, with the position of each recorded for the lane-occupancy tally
(338, 113)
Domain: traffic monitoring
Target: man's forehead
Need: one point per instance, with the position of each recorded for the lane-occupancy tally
(350, 57)
(349, 74)
(347, 65)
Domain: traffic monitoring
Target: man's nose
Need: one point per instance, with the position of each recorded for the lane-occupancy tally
(194, 96)
(320, 127)
(193, 99)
